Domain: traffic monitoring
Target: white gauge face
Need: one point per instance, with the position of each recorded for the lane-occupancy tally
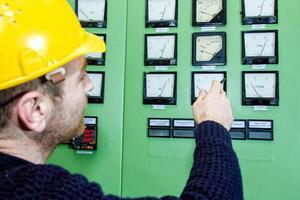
(97, 82)
(260, 44)
(160, 85)
(206, 10)
(260, 85)
(257, 8)
(95, 55)
(161, 47)
(91, 10)
(207, 47)
(161, 10)
(203, 81)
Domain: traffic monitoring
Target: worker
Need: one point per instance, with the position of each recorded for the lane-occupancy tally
(43, 88)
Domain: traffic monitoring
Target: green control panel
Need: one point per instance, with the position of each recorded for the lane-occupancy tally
(160, 53)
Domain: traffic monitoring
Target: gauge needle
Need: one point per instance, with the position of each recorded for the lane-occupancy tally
(206, 13)
(262, 6)
(163, 50)
(163, 89)
(262, 50)
(162, 17)
(85, 15)
(257, 94)
(206, 52)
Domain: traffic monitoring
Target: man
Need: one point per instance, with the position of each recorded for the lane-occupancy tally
(43, 71)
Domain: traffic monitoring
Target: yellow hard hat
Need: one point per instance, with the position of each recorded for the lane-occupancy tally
(38, 36)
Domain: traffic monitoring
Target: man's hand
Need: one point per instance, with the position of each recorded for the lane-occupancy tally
(214, 106)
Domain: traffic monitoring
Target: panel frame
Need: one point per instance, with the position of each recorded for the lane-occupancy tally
(98, 99)
(259, 20)
(155, 62)
(160, 100)
(246, 101)
(257, 60)
(219, 20)
(93, 24)
(193, 98)
(219, 59)
(164, 23)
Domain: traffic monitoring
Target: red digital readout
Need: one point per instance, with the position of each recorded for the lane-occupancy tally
(88, 136)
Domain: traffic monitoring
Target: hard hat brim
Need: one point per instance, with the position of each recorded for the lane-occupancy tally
(93, 44)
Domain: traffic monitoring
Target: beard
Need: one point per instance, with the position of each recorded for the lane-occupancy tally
(65, 123)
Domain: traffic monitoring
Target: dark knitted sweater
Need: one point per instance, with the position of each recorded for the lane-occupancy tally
(215, 175)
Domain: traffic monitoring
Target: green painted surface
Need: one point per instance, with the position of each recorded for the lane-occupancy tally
(131, 164)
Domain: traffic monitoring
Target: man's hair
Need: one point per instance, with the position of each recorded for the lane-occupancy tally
(9, 97)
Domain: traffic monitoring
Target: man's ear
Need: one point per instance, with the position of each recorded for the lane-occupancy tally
(33, 109)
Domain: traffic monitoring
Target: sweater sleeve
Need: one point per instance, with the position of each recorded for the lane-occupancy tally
(215, 174)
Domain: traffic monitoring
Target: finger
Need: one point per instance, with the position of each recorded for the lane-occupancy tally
(223, 93)
(216, 87)
(201, 95)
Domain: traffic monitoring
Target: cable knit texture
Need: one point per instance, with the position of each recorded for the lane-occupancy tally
(215, 175)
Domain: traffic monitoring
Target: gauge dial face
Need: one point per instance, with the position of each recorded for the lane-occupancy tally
(96, 79)
(161, 10)
(259, 8)
(260, 85)
(260, 44)
(207, 47)
(161, 47)
(96, 55)
(203, 81)
(91, 10)
(160, 85)
(206, 10)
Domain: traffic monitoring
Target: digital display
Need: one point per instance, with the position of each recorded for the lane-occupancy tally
(88, 140)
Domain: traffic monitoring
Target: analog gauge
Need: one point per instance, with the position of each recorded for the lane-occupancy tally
(260, 88)
(160, 85)
(160, 88)
(96, 95)
(209, 12)
(203, 81)
(259, 11)
(160, 49)
(161, 13)
(255, 8)
(260, 44)
(209, 48)
(260, 47)
(260, 85)
(91, 13)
